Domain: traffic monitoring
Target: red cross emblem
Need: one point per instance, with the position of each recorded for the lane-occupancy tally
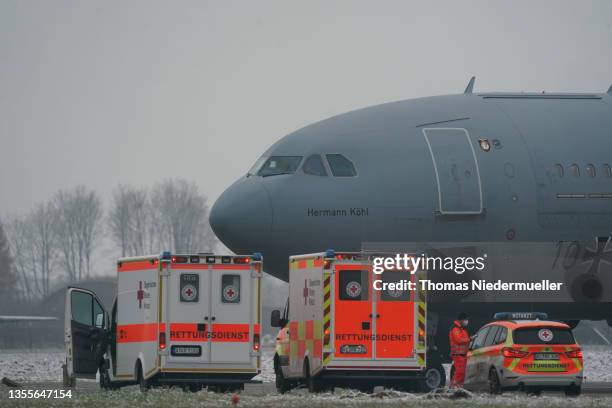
(545, 335)
(230, 293)
(140, 295)
(353, 289)
(188, 293)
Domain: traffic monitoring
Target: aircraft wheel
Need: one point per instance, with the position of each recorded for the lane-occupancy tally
(494, 383)
(434, 377)
(573, 390)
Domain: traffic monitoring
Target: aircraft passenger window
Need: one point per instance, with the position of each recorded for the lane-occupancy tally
(277, 165)
(354, 285)
(314, 166)
(590, 169)
(341, 166)
(230, 288)
(574, 170)
(559, 170)
(607, 170)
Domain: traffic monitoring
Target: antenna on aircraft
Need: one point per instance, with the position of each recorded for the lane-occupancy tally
(470, 87)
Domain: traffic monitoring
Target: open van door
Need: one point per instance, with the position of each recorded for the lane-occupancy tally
(85, 324)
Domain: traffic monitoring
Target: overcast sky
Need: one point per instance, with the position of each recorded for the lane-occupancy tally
(101, 93)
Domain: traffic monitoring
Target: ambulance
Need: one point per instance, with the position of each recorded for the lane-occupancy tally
(188, 320)
(336, 329)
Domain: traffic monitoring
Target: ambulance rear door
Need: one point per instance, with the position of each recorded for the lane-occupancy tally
(353, 318)
(395, 323)
(187, 322)
(234, 313)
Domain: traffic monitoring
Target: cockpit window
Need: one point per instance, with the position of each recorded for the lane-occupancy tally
(314, 166)
(277, 165)
(255, 168)
(340, 166)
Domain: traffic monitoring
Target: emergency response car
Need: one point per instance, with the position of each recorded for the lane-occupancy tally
(520, 351)
(336, 328)
(190, 320)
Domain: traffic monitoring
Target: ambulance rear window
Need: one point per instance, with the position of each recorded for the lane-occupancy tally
(353, 285)
(394, 295)
(230, 288)
(543, 335)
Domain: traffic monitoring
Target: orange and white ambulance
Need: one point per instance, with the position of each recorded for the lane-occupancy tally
(190, 320)
(337, 328)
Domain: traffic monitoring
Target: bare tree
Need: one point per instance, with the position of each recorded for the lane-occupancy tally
(8, 278)
(180, 217)
(77, 227)
(129, 221)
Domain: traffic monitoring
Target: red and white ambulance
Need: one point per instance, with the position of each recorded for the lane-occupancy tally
(337, 328)
(191, 320)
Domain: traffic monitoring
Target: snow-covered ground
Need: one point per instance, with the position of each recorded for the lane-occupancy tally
(45, 365)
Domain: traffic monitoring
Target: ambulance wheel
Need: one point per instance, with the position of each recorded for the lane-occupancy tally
(313, 382)
(433, 378)
(573, 390)
(142, 382)
(494, 384)
(105, 381)
(282, 384)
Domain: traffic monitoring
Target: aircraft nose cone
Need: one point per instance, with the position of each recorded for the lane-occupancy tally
(242, 216)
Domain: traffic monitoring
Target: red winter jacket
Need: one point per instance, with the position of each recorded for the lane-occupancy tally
(459, 339)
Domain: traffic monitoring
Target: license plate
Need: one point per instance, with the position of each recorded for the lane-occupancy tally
(546, 356)
(353, 349)
(186, 351)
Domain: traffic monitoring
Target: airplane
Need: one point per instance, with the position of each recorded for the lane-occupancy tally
(472, 167)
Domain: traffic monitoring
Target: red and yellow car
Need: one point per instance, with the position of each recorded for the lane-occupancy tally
(525, 351)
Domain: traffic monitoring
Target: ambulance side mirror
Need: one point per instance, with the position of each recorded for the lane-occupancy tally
(275, 319)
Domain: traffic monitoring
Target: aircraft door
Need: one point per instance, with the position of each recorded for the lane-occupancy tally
(456, 169)
(353, 318)
(84, 333)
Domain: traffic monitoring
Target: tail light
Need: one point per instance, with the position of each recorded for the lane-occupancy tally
(326, 337)
(256, 342)
(514, 353)
(576, 353)
(162, 340)
(326, 264)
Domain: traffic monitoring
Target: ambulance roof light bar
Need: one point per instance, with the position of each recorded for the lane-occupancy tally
(520, 316)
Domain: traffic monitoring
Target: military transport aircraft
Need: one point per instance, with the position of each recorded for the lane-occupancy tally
(471, 167)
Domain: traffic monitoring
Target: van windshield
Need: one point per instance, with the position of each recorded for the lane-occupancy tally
(277, 165)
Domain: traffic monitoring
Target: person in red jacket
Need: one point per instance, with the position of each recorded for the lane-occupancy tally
(459, 339)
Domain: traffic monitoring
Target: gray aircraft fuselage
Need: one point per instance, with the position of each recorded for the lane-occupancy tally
(492, 167)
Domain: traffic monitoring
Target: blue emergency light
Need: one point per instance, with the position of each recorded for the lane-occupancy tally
(330, 253)
(166, 255)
